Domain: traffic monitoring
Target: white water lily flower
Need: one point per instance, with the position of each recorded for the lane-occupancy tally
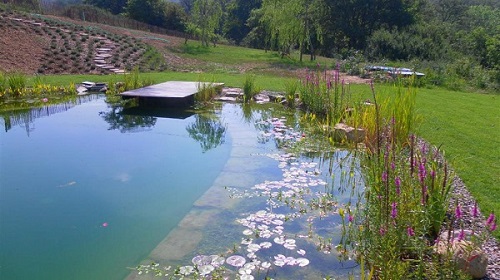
(265, 265)
(186, 270)
(252, 248)
(246, 241)
(266, 245)
(246, 277)
(205, 269)
(244, 271)
(248, 232)
(302, 261)
(301, 252)
(279, 240)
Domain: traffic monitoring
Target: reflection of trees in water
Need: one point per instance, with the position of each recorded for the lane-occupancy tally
(24, 114)
(208, 131)
(126, 122)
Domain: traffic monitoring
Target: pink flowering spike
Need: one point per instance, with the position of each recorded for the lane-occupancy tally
(410, 231)
(461, 235)
(397, 182)
(475, 211)
(105, 224)
(490, 219)
(394, 212)
(351, 218)
(384, 176)
(458, 212)
(493, 226)
(381, 231)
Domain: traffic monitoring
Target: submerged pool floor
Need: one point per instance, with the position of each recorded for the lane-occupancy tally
(91, 193)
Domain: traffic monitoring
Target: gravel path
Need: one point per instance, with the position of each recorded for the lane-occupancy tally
(491, 247)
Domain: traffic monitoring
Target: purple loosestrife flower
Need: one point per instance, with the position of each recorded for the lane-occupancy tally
(490, 219)
(458, 212)
(397, 182)
(393, 166)
(351, 218)
(475, 211)
(493, 226)
(381, 231)
(422, 172)
(461, 236)
(394, 210)
(410, 231)
(384, 176)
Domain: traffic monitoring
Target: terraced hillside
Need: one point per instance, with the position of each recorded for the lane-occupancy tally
(32, 43)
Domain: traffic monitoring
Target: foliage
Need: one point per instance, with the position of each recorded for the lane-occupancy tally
(206, 16)
(249, 88)
(291, 88)
(114, 6)
(292, 22)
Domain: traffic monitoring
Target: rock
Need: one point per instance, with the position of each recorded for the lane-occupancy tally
(471, 259)
(261, 98)
(344, 132)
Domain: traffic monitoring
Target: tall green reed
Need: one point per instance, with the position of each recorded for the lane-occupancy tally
(323, 93)
(249, 88)
(16, 83)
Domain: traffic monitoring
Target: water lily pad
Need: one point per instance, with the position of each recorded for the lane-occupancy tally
(236, 260)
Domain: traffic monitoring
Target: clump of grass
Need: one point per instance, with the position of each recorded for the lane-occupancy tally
(16, 83)
(249, 88)
(324, 94)
(206, 90)
(291, 92)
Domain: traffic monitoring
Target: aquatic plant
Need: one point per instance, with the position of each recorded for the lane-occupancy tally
(291, 92)
(249, 88)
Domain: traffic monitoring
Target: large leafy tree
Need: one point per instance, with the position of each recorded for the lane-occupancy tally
(113, 6)
(351, 22)
(205, 20)
(237, 14)
(292, 22)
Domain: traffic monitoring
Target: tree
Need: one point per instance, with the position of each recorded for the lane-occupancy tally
(292, 22)
(206, 16)
(237, 15)
(113, 6)
(147, 11)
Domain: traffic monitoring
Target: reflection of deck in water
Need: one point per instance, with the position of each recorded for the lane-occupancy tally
(169, 94)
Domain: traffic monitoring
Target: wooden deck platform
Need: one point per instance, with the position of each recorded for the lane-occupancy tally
(169, 94)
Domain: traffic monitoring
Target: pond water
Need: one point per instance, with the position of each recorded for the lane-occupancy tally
(88, 191)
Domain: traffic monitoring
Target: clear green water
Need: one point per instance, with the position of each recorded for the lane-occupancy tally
(86, 191)
(64, 175)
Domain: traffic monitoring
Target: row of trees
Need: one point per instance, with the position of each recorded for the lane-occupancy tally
(425, 30)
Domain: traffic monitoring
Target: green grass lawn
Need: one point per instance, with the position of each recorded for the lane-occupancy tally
(467, 125)
(233, 55)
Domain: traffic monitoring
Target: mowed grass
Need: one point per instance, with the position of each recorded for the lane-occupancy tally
(234, 55)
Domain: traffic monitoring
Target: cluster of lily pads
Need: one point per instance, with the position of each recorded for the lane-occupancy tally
(266, 243)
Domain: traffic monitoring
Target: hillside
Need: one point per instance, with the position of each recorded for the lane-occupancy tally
(42, 44)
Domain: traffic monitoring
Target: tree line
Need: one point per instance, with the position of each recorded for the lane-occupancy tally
(396, 30)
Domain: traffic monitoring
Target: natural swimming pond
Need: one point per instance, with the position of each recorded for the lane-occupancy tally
(88, 191)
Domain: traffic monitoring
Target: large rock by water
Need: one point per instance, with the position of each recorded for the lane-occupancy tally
(343, 132)
(470, 258)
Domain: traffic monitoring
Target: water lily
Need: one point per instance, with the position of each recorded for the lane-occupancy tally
(186, 270)
(236, 260)
(206, 269)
